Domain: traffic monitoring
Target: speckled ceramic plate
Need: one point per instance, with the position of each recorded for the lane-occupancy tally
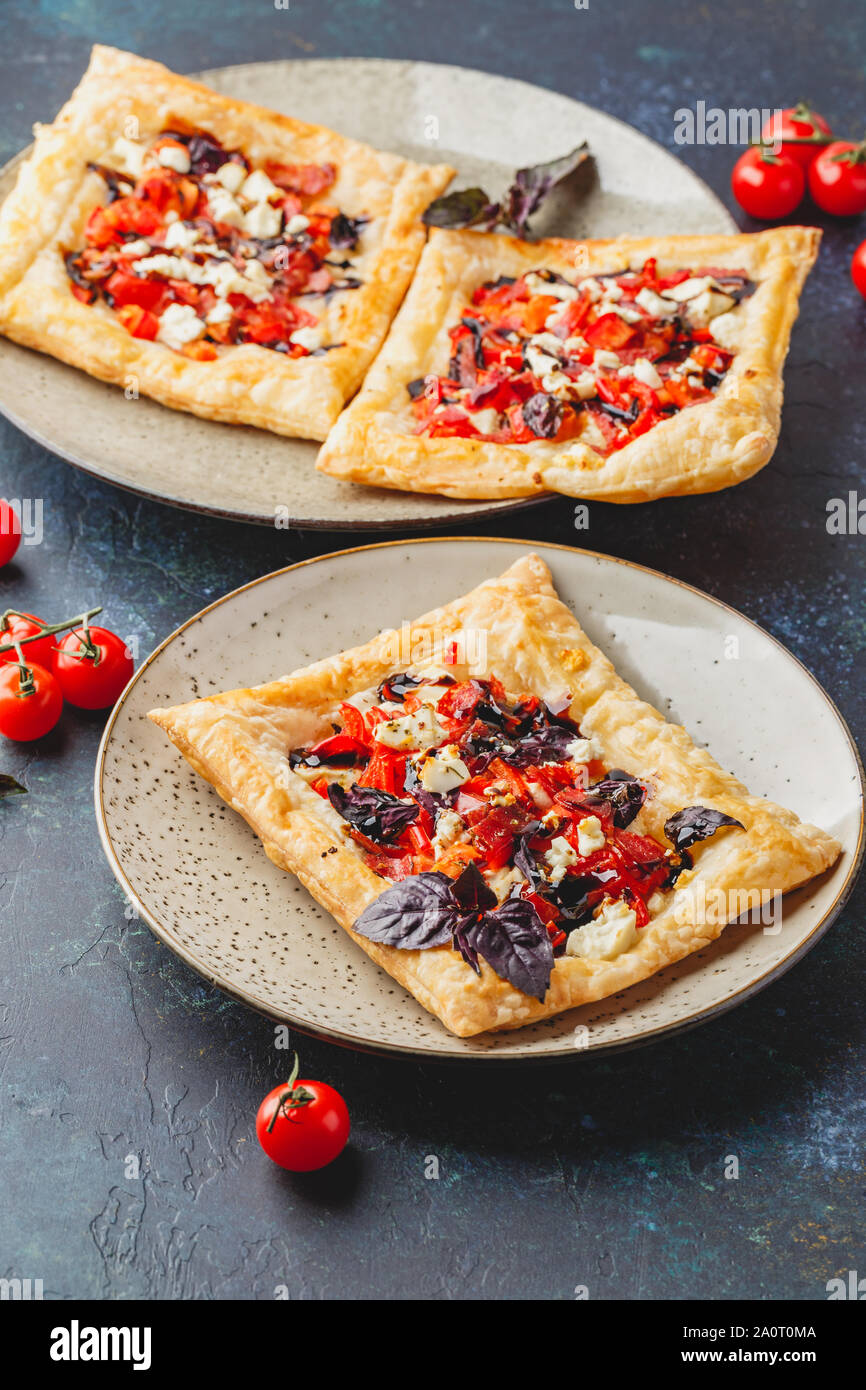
(239, 472)
(198, 875)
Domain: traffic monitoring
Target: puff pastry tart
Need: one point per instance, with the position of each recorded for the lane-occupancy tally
(625, 369)
(219, 257)
(492, 814)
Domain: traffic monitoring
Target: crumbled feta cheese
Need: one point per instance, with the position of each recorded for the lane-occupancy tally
(603, 357)
(226, 280)
(224, 208)
(431, 694)
(222, 312)
(623, 311)
(592, 288)
(612, 290)
(449, 829)
(258, 188)
(587, 386)
(129, 154)
(611, 932)
(688, 289)
(644, 370)
(139, 247)
(179, 324)
(556, 381)
(559, 857)
(180, 235)
(173, 267)
(296, 224)
(536, 284)
(309, 338)
(174, 157)
(485, 421)
(654, 304)
(707, 306)
(503, 880)
(581, 750)
(444, 771)
(231, 175)
(263, 221)
(418, 730)
(590, 836)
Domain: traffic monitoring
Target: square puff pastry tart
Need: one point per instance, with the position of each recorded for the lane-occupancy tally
(726, 434)
(46, 217)
(240, 741)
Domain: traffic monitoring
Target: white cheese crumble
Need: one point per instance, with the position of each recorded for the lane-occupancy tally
(485, 421)
(449, 829)
(258, 188)
(708, 305)
(309, 338)
(220, 313)
(503, 880)
(231, 175)
(296, 224)
(559, 858)
(179, 324)
(603, 357)
(581, 750)
(590, 836)
(611, 932)
(592, 288)
(587, 386)
(444, 771)
(263, 221)
(129, 154)
(224, 208)
(137, 248)
(654, 304)
(536, 284)
(418, 730)
(644, 370)
(180, 235)
(174, 157)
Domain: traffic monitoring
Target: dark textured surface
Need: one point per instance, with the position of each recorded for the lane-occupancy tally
(605, 1173)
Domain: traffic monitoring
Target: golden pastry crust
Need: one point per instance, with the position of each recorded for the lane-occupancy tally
(701, 449)
(48, 208)
(239, 743)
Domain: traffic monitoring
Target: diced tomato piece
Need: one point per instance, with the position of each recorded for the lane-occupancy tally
(519, 430)
(537, 311)
(135, 215)
(132, 289)
(339, 746)
(141, 323)
(610, 332)
(200, 351)
(86, 296)
(320, 785)
(354, 723)
(494, 835)
(307, 179)
(455, 859)
(572, 319)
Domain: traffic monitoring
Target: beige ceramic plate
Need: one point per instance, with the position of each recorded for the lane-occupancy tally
(246, 474)
(199, 876)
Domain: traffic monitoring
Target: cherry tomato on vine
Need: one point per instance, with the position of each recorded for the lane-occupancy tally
(14, 628)
(93, 666)
(303, 1125)
(767, 185)
(31, 702)
(837, 179)
(800, 131)
(10, 532)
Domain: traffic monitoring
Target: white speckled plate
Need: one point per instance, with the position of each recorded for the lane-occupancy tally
(239, 472)
(199, 876)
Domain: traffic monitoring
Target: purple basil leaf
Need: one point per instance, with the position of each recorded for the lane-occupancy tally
(468, 207)
(525, 858)
(516, 945)
(471, 893)
(345, 231)
(414, 914)
(461, 944)
(377, 814)
(546, 745)
(531, 186)
(620, 791)
(696, 823)
(542, 414)
(206, 155)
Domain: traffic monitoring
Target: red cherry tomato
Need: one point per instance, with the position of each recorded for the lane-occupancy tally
(858, 268)
(92, 674)
(766, 185)
(303, 1125)
(10, 532)
(800, 131)
(30, 703)
(837, 179)
(20, 625)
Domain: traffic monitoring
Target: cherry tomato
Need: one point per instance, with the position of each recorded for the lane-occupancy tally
(10, 532)
(20, 625)
(303, 1125)
(802, 133)
(767, 185)
(837, 179)
(30, 704)
(92, 674)
(858, 268)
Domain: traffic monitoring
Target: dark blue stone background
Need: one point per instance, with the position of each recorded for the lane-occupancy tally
(607, 1173)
